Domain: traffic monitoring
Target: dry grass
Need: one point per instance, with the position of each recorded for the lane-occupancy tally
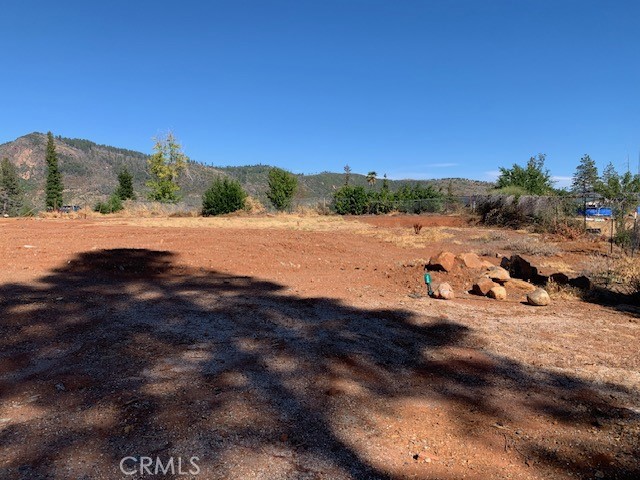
(617, 273)
(490, 236)
(531, 246)
(254, 206)
(82, 213)
(563, 292)
(403, 237)
(242, 220)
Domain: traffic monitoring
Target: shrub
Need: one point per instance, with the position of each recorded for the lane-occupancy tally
(350, 200)
(282, 188)
(114, 204)
(224, 196)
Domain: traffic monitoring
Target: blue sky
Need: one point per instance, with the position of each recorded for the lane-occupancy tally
(415, 89)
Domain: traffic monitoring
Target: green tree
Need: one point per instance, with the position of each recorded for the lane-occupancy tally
(372, 178)
(534, 179)
(385, 183)
(347, 175)
(282, 188)
(165, 167)
(11, 198)
(223, 196)
(585, 178)
(620, 190)
(125, 185)
(53, 187)
(585, 181)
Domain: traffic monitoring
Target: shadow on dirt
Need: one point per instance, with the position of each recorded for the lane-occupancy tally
(122, 353)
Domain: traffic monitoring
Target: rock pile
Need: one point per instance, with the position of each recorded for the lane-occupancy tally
(516, 274)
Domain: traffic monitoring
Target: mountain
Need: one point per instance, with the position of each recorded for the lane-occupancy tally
(90, 173)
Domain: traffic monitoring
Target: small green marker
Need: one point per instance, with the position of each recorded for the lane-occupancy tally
(427, 280)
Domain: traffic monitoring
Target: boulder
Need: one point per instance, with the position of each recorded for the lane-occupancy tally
(470, 260)
(498, 293)
(486, 265)
(498, 274)
(483, 285)
(581, 282)
(521, 267)
(517, 284)
(444, 291)
(443, 262)
(539, 297)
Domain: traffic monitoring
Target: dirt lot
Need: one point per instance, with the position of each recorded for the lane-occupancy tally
(301, 347)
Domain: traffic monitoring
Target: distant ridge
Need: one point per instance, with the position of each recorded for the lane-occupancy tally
(90, 173)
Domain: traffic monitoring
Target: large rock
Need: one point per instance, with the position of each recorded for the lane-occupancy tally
(539, 297)
(470, 260)
(517, 284)
(486, 265)
(444, 291)
(520, 267)
(483, 285)
(498, 274)
(444, 262)
(498, 292)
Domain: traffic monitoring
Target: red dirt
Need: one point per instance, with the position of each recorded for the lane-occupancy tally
(280, 353)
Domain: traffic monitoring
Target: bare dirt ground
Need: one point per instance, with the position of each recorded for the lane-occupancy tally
(300, 347)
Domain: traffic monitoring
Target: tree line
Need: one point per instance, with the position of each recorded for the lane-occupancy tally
(168, 163)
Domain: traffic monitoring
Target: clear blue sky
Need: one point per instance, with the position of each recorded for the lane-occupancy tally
(412, 88)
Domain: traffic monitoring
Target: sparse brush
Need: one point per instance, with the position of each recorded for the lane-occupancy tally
(531, 246)
(253, 206)
(563, 292)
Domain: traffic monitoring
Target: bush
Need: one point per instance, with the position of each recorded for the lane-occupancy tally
(282, 188)
(224, 196)
(114, 204)
(350, 200)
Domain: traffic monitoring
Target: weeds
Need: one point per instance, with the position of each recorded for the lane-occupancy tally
(531, 246)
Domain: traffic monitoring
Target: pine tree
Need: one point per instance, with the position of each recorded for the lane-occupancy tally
(347, 175)
(11, 201)
(53, 188)
(125, 185)
(585, 181)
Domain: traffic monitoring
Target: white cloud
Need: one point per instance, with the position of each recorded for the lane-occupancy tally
(562, 181)
(443, 165)
(492, 175)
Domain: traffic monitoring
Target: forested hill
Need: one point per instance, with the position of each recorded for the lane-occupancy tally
(90, 173)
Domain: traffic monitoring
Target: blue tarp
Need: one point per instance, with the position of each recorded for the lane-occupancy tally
(599, 212)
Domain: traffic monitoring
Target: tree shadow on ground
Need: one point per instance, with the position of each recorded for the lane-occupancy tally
(122, 353)
(628, 303)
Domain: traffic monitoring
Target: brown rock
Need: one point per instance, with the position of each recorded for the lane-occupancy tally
(444, 291)
(483, 285)
(539, 297)
(521, 267)
(517, 284)
(470, 260)
(486, 265)
(443, 262)
(498, 274)
(498, 293)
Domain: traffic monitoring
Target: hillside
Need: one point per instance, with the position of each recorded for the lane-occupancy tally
(90, 173)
